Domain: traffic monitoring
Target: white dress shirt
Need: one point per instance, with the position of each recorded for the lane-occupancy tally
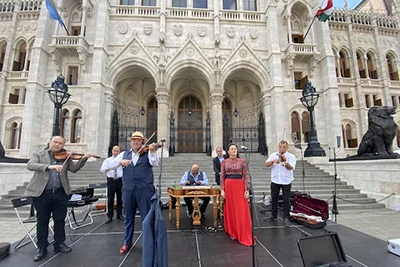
(280, 174)
(113, 172)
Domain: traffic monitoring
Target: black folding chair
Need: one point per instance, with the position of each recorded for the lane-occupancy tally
(17, 204)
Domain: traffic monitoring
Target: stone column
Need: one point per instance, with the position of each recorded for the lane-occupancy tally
(163, 98)
(83, 22)
(216, 118)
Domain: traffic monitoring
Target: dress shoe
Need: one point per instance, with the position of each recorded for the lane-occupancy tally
(109, 219)
(124, 249)
(120, 217)
(40, 254)
(61, 247)
(271, 219)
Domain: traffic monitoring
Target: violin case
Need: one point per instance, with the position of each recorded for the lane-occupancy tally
(304, 204)
(82, 196)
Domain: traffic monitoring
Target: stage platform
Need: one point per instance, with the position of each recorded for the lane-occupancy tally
(206, 246)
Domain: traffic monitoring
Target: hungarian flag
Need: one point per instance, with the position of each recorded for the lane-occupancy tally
(325, 10)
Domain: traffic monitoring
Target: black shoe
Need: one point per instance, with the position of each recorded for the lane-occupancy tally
(109, 219)
(120, 217)
(271, 219)
(61, 247)
(40, 254)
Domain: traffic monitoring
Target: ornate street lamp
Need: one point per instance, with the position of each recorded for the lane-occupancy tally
(59, 96)
(309, 100)
(142, 111)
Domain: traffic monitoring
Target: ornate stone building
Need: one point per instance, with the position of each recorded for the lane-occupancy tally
(200, 73)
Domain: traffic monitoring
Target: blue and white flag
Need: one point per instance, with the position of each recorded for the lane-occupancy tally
(51, 7)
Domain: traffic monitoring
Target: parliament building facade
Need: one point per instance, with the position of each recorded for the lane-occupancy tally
(200, 73)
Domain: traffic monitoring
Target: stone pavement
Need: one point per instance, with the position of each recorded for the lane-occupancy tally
(380, 223)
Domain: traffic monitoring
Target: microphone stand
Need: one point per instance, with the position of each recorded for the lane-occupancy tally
(334, 205)
(252, 206)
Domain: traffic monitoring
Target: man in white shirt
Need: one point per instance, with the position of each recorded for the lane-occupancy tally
(283, 163)
(114, 185)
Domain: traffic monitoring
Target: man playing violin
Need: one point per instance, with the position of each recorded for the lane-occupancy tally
(137, 182)
(50, 190)
(283, 163)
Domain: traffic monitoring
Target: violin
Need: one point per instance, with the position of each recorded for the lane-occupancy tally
(282, 157)
(64, 155)
(145, 149)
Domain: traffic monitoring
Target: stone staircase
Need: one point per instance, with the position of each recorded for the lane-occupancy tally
(317, 183)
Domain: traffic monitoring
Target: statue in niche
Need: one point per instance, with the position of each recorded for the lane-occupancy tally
(217, 61)
(381, 131)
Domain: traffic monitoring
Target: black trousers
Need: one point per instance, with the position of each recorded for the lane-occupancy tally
(275, 188)
(203, 207)
(46, 205)
(114, 187)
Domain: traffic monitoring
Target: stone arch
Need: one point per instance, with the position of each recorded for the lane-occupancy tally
(257, 71)
(121, 68)
(177, 67)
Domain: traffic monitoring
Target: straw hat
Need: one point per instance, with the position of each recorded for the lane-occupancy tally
(137, 135)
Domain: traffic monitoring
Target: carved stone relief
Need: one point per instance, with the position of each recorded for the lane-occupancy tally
(230, 31)
(147, 28)
(201, 31)
(178, 29)
(134, 49)
(123, 27)
(253, 33)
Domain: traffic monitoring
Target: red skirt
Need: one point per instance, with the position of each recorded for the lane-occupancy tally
(237, 221)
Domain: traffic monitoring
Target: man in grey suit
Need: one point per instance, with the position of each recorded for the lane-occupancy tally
(50, 189)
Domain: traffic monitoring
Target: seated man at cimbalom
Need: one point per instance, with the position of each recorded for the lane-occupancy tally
(195, 177)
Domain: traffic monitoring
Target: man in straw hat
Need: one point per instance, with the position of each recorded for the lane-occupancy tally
(137, 180)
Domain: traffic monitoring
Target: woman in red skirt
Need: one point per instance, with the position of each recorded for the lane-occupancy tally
(234, 189)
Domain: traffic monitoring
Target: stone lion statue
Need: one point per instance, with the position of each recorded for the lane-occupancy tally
(381, 131)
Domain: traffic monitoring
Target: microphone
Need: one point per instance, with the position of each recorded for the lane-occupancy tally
(244, 148)
(163, 140)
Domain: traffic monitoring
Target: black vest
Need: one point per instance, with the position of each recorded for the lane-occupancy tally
(190, 178)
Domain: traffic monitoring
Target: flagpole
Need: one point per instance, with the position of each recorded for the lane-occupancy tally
(309, 27)
(65, 29)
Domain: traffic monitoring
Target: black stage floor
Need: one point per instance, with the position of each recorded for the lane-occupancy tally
(98, 245)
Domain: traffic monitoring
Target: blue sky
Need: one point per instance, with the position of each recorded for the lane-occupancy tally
(351, 3)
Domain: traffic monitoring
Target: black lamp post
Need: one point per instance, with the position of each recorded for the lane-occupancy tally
(309, 100)
(59, 96)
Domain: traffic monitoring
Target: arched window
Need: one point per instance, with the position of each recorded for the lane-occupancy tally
(372, 72)
(3, 47)
(65, 124)
(152, 116)
(19, 57)
(361, 65)
(344, 64)
(392, 69)
(351, 142)
(296, 126)
(15, 136)
(76, 128)
(336, 63)
(305, 126)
